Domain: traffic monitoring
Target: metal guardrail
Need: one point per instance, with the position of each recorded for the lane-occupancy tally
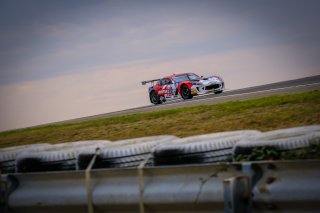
(165, 174)
(269, 186)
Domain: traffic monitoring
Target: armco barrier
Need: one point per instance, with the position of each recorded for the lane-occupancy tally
(194, 178)
(270, 186)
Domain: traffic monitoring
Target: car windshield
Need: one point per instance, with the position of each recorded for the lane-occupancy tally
(180, 78)
(193, 77)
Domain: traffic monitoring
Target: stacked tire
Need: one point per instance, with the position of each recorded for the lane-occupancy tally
(123, 154)
(9, 155)
(59, 157)
(278, 144)
(202, 149)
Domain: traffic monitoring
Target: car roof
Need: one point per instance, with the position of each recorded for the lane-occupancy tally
(170, 76)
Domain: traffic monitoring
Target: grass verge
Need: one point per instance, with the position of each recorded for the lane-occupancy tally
(272, 153)
(263, 114)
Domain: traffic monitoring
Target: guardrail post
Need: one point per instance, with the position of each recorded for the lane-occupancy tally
(238, 190)
(7, 184)
(88, 181)
(237, 195)
(3, 196)
(141, 182)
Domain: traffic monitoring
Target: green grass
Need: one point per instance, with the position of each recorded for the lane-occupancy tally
(263, 114)
(272, 153)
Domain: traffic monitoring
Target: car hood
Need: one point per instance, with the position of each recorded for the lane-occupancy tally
(209, 80)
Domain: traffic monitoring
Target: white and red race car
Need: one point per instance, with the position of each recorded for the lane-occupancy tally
(183, 85)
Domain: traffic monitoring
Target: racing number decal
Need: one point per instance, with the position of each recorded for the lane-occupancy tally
(170, 91)
(162, 91)
(167, 90)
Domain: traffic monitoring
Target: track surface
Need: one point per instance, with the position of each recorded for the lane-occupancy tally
(284, 87)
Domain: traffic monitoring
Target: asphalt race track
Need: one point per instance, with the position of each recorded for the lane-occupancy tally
(284, 87)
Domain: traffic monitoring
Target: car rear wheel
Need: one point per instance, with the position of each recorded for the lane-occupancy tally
(154, 98)
(217, 92)
(185, 92)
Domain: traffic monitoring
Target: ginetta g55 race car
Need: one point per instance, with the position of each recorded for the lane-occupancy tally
(184, 85)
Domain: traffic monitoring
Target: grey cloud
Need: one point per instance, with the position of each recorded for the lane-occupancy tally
(41, 39)
(88, 55)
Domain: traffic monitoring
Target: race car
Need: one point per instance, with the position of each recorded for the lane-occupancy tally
(183, 85)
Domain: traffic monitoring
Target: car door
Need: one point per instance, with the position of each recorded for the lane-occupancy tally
(166, 88)
(169, 89)
(165, 83)
(161, 87)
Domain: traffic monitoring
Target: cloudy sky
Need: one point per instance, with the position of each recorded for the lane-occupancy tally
(68, 59)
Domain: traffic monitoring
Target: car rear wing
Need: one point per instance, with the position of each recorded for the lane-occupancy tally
(149, 81)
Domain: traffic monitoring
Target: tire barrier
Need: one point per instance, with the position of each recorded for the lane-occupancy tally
(157, 150)
(217, 135)
(164, 174)
(209, 148)
(275, 144)
(124, 153)
(58, 157)
(159, 139)
(8, 155)
(287, 133)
